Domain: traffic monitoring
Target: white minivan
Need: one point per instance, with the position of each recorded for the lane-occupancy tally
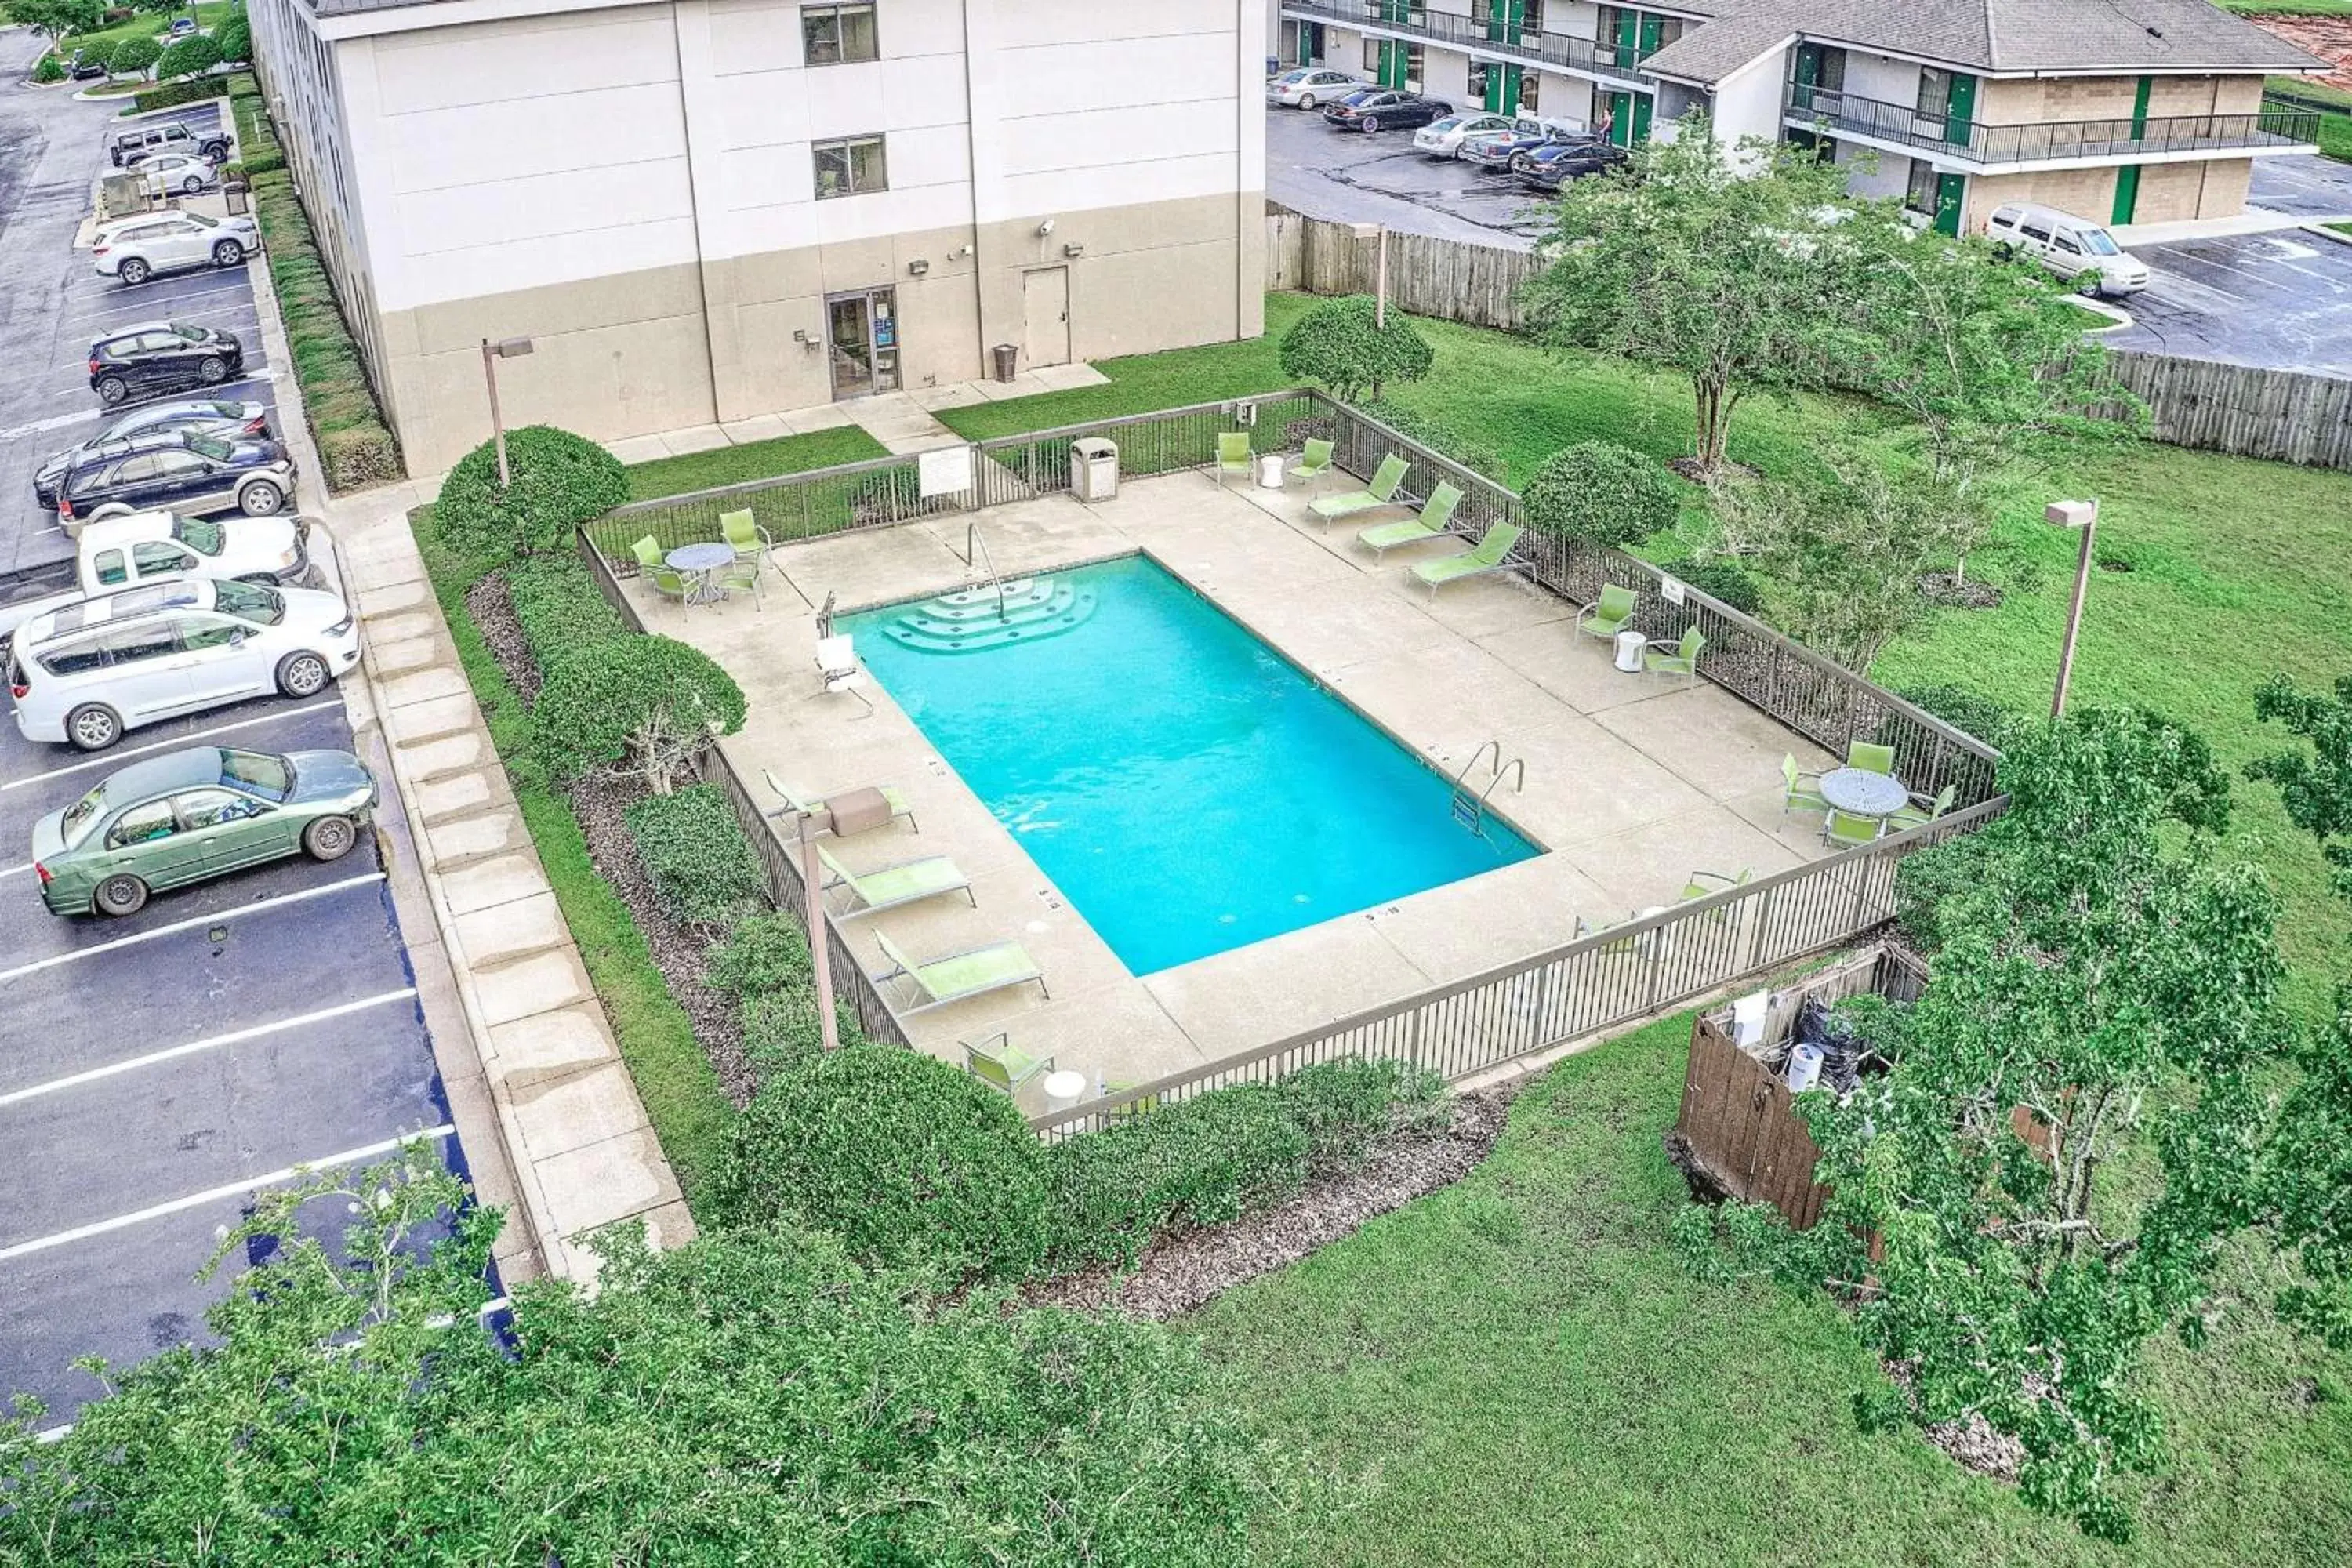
(97, 668)
(2075, 248)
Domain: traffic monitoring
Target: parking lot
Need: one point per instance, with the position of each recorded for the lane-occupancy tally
(1349, 177)
(160, 1067)
(2282, 300)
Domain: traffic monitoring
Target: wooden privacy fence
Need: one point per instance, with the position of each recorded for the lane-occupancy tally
(1448, 278)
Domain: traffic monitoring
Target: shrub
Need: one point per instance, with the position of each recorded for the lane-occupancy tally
(115, 15)
(765, 954)
(781, 1033)
(1981, 716)
(913, 1163)
(648, 704)
(49, 70)
(173, 94)
(355, 447)
(695, 855)
(192, 56)
(1338, 345)
(235, 38)
(559, 481)
(1602, 493)
(1435, 434)
(560, 608)
(134, 55)
(1720, 577)
(1344, 1106)
(1198, 1162)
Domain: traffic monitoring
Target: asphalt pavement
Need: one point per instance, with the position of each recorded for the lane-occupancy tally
(2280, 300)
(1349, 177)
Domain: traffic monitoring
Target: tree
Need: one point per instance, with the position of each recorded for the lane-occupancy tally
(747, 1398)
(58, 18)
(2315, 788)
(643, 705)
(132, 56)
(1842, 556)
(1339, 345)
(558, 481)
(192, 56)
(1729, 268)
(1602, 493)
(2095, 994)
(234, 38)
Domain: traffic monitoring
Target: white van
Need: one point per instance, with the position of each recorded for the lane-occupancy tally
(2075, 248)
(97, 668)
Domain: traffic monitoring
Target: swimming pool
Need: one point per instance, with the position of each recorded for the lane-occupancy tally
(1187, 787)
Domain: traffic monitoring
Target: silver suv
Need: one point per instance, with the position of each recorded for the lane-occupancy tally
(129, 148)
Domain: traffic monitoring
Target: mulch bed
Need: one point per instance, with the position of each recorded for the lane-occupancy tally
(1181, 1272)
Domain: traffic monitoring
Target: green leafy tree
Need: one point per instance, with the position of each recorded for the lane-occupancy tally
(1340, 346)
(1602, 493)
(132, 56)
(1726, 266)
(2315, 786)
(58, 18)
(192, 56)
(559, 481)
(235, 38)
(643, 705)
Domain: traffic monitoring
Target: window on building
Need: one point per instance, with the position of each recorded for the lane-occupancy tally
(1528, 93)
(1919, 196)
(1413, 76)
(850, 168)
(1935, 94)
(836, 35)
(1533, 24)
(1372, 57)
(1477, 84)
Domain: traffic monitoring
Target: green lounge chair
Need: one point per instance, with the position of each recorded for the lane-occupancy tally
(750, 540)
(649, 561)
(907, 882)
(1000, 1063)
(1683, 660)
(1871, 758)
(809, 805)
(1491, 554)
(1703, 884)
(1232, 455)
(1380, 492)
(1610, 614)
(957, 975)
(1313, 463)
(1922, 811)
(1436, 513)
(1800, 791)
(1843, 827)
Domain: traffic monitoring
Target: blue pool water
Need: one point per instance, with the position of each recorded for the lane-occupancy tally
(1190, 790)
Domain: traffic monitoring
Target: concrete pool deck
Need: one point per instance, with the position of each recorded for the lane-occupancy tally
(1633, 782)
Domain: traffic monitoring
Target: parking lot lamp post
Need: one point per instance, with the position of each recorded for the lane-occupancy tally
(820, 950)
(2083, 515)
(507, 348)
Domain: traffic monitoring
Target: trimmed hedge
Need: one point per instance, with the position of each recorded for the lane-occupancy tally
(356, 447)
(650, 701)
(695, 856)
(190, 57)
(135, 54)
(49, 70)
(1721, 578)
(556, 482)
(560, 608)
(171, 94)
(764, 964)
(1602, 493)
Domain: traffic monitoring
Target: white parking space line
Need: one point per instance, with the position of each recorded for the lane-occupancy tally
(235, 1036)
(112, 757)
(282, 899)
(55, 421)
(215, 1194)
(15, 871)
(127, 304)
(214, 316)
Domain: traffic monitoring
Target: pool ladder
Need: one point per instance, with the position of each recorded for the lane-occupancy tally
(1469, 805)
(975, 549)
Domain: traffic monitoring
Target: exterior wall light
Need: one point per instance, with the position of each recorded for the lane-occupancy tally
(918, 267)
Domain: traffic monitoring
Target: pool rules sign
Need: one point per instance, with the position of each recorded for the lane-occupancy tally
(944, 471)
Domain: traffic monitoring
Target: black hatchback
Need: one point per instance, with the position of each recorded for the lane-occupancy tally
(190, 472)
(226, 418)
(152, 358)
(1385, 109)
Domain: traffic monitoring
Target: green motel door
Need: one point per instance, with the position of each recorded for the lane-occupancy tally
(1951, 195)
(1504, 19)
(1630, 115)
(1502, 89)
(2127, 195)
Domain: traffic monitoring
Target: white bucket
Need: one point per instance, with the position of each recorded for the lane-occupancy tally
(1805, 1067)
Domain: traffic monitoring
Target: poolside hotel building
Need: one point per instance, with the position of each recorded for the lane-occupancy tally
(704, 211)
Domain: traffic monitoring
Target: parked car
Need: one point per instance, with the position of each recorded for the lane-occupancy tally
(92, 672)
(225, 417)
(190, 815)
(192, 473)
(135, 248)
(1549, 168)
(1385, 109)
(1308, 86)
(182, 28)
(2075, 248)
(1444, 138)
(150, 359)
(129, 147)
(1496, 149)
(154, 546)
(182, 172)
(88, 63)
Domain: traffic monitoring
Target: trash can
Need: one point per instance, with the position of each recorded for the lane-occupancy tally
(240, 199)
(1093, 469)
(1007, 356)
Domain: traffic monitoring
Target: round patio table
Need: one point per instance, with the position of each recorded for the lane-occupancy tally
(1858, 792)
(699, 564)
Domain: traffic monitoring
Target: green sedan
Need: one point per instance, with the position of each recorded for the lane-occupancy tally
(187, 817)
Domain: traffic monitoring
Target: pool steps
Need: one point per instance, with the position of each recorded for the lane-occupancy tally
(967, 621)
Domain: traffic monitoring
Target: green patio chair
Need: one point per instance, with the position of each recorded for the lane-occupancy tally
(1847, 830)
(1134, 1109)
(1871, 757)
(1313, 463)
(907, 882)
(1436, 513)
(809, 805)
(1380, 492)
(1232, 455)
(1491, 554)
(1000, 1063)
(742, 575)
(1682, 661)
(667, 583)
(1610, 614)
(954, 976)
(1922, 811)
(1800, 791)
(750, 540)
(1703, 883)
(1624, 946)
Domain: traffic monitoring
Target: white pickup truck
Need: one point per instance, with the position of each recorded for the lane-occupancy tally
(151, 546)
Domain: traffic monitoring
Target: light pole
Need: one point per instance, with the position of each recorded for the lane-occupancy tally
(509, 348)
(2083, 515)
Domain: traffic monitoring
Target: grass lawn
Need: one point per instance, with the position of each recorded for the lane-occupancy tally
(1529, 1376)
(2288, 7)
(147, 25)
(752, 460)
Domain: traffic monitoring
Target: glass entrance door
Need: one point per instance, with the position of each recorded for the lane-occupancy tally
(862, 333)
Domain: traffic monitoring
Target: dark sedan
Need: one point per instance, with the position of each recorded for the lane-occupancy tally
(87, 64)
(1549, 168)
(226, 418)
(152, 358)
(185, 472)
(1385, 109)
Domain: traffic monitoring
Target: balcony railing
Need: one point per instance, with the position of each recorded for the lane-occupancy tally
(1478, 35)
(1976, 142)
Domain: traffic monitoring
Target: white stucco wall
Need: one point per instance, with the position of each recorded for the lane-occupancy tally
(1875, 76)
